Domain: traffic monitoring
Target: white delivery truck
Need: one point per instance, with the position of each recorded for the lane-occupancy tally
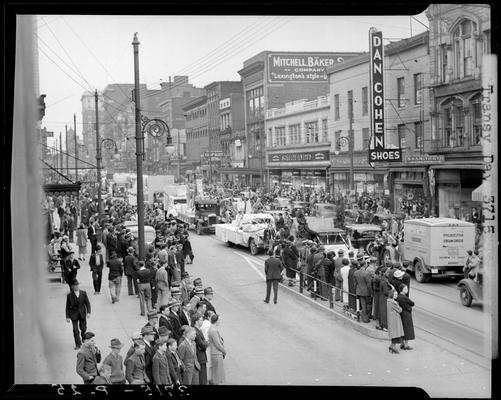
(436, 246)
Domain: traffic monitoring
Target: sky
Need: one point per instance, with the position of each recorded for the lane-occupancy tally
(80, 53)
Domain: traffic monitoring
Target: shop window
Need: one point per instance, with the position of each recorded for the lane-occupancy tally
(336, 107)
(365, 100)
(400, 92)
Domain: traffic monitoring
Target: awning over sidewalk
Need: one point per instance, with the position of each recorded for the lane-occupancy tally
(479, 193)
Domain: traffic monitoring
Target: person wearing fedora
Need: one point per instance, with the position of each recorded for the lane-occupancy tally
(208, 296)
(273, 269)
(174, 320)
(87, 358)
(130, 263)
(199, 296)
(185, 286)
(148, 335)
(77, 311)
(96, 263)
(153, 321)
(115, 361)
(399, 277)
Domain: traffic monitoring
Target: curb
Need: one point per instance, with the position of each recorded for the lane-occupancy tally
(366, 329)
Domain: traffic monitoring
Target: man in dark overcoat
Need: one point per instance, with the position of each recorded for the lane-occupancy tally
(273, 269)
(77, 311)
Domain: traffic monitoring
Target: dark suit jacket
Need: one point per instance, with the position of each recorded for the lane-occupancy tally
(209, 305)
(362, 282)
(202, 345)
(77, 308)
(273, 268)
(161, 374)
(149, 352)
(174, 369)
(91, 232)
(92, 263)
(135, 368)
(184, 319)
(175, 324)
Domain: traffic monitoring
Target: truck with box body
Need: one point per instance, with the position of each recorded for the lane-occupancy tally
(434, 247)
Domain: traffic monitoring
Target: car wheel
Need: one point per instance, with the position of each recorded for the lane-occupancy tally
(253, 247)
(465, 296)
(419, 273)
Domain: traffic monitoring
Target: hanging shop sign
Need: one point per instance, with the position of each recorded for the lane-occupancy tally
(376, 76)
(306, 67)
(312, 156)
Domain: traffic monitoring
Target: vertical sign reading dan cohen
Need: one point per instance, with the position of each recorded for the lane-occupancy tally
(376, 51)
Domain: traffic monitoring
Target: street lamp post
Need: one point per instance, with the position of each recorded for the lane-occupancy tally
(156, 128)
(98, 157)
(108, 144)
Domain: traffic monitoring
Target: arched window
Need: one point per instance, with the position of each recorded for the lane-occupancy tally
(452, 123)
(464, 49)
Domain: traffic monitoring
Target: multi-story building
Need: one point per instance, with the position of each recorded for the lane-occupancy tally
(215, 92)
(197, 134)
(460, 34)
(298, 143)
(271, 79)
(232, 136)
(406, 120)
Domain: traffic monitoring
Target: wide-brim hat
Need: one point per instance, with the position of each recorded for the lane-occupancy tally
(173, 303)
(136, 336)
(152, 314)
(199, 290)
(147, 330)
(116, 344)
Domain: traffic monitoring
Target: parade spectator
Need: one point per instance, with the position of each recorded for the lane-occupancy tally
(376, 293)
(87, 358)
(176, 366)
(406, 315)
(345, 271)
(175, 292)
(185, 286)
(217, 352)
(273, 270)
(115, 362)
(153, 322)
(197, 282)
(77, 311)
(309, 268)
(148, 335)
(70, 267)
(187, 354)
(338, 279)
(96, 263)
(202, 343)
(173, 272)
(184, 313)
(163, 318)
(187, 249)
(199, 295)
(352, 297)
(160, 368)
(135, 371)
(175, 322)
(290, 257)
(82, 242)
(143, 278)
(180, 259)
(131, 266)
(162, 284)
(319, 272)
(399, 277)
(208, 296)
(115, 276)
(384, 291)
(395, 328)
(363, 290)
(104, 377)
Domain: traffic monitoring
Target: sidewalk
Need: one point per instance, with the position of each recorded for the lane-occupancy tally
(107, 320)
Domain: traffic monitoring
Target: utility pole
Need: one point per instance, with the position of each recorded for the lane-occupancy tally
(61, 151)
(178, 157)
(350, 142)
(98, 156)
(210, 157)
(67, 145)
(76, 146)
(139, 151)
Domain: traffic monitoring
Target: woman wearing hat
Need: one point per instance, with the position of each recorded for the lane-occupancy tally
(395, 328)
(406, 315)
(115, 361)
(384, 291)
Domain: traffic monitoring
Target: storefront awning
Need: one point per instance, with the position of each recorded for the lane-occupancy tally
(479, 193)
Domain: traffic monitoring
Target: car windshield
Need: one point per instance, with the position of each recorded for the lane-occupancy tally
(332, 238)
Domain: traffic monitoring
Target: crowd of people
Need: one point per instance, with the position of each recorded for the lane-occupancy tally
(180, 342)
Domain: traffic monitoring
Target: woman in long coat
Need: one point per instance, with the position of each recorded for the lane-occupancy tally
(217, 352)
(384, 290)
(352, 297)
(376, 294)
(395, 328)
(345, 271)
(406, 315)
(82, 242)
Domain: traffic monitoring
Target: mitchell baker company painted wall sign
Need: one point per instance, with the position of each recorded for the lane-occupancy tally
(312, 156)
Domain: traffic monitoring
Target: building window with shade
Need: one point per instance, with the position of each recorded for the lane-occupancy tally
(295, 134)
(311, 131)
(401, 135)
(365, 100)
(280, 134)
(400, 92)
(418, 89)
(336, 107)
(418, 132)
(325, 130)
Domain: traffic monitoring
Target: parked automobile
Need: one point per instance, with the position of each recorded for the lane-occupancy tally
(325, 210)
(280, 203)
(304, 206)
(362, 236)
(336, 239)
(471, 288)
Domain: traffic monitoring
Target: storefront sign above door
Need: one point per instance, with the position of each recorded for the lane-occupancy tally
(423, 158)
(311, 156)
